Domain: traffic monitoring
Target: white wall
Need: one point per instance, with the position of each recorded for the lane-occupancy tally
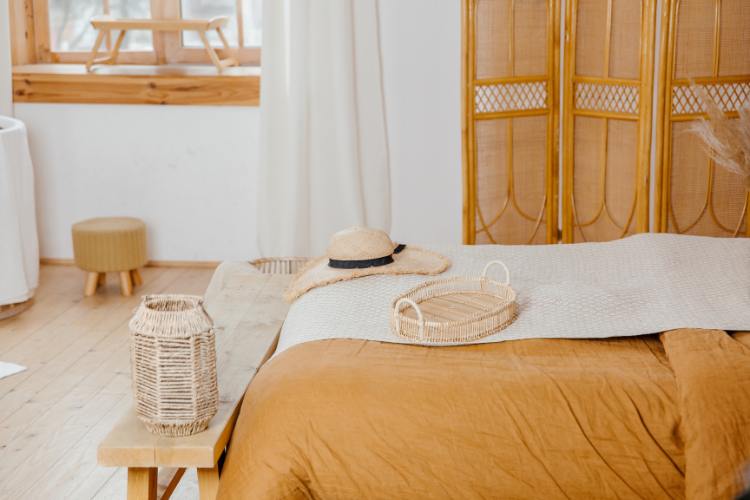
(189, 172)
(421, 44)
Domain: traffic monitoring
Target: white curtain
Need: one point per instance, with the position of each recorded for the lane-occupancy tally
(324, 150)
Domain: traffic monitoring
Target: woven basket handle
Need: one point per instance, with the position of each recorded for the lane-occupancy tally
(202, 305)
(420, 318)
(501, 264)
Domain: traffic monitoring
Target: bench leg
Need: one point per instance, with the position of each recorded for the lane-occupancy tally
(135, 277)
(116, 49)
(164, 491)
(223, 39)
(142, 483)
(95, 51)
(102, 281)
(208, 482)
(92, 280)
(126, 285)
(211, 52)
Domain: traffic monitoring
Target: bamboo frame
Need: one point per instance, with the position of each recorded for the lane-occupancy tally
(472, 87)
(668, 115)
(467, 140)
(644, 84)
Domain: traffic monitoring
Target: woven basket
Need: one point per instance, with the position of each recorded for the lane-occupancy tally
(173, 364)
(279, 265)
(10, 310)
(456, 309)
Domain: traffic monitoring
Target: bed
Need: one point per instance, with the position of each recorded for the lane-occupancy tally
(661, 416)
(643, 416)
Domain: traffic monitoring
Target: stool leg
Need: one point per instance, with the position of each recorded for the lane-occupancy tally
(126, 286)
(91, 281)
(102, 281)
(135, 276)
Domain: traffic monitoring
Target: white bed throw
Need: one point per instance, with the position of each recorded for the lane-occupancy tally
(635, 286)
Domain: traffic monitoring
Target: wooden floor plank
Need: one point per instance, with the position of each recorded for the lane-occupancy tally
(60, 468)
(115, 486)
(53, 415)
(34, 454)
(75, 346)
(48, 306)
(85, 464)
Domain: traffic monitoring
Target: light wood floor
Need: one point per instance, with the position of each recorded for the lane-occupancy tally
(76, 385)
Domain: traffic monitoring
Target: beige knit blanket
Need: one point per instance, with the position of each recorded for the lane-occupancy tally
(634, 286)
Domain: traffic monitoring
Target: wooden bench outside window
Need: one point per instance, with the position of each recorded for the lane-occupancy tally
(105, 25)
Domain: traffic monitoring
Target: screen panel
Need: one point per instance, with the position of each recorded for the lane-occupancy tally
(705, 45)
(607, 118)
(510, 119)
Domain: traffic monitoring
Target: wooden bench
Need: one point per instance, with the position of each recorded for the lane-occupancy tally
(248, 311)
(105, 25)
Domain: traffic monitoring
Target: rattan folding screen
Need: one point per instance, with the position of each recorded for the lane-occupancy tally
(511, 109)
(707, 44)
(510, 126)
(607, 118)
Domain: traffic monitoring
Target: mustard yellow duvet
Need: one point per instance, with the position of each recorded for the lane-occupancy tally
(645, 417)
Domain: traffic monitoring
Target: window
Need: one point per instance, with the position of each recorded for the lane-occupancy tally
(244, 20)
(64, 34)
(70, 31)
(47, 32)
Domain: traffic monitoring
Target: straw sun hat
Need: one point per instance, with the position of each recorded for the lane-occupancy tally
(360, 251)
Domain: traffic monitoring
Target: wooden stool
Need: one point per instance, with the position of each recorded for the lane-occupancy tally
(110, 244)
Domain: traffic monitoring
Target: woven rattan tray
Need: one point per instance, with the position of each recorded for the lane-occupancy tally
(458, 309)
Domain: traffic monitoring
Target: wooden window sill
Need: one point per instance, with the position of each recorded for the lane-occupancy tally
(135, 84)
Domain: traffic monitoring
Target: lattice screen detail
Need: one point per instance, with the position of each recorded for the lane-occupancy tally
(729, 96)
(607, 97)
(502, 97)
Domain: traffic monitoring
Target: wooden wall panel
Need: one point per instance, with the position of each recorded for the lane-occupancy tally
(607, 118)
(707, 43)
(510, 118)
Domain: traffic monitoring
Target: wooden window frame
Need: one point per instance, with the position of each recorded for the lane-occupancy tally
(170, 74)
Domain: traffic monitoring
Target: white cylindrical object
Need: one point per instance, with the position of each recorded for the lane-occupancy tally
(19, 247)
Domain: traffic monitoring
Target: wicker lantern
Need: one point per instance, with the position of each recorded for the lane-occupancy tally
(173, 364)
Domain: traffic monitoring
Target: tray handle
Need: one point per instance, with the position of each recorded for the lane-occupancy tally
(420, 318)
(501, 264)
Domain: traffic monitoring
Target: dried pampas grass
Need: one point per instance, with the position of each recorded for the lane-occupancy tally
(726, 139)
